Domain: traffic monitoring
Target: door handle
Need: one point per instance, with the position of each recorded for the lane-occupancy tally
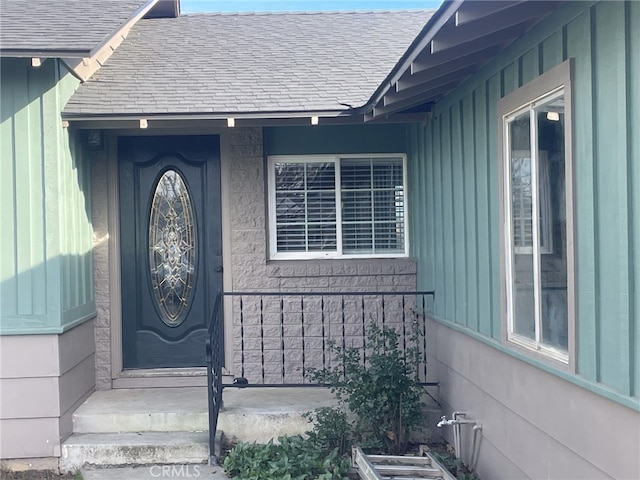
(217, 268)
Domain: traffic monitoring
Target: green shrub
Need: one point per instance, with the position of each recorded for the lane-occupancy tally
(294, 458)
(383, 393)
(331, 430)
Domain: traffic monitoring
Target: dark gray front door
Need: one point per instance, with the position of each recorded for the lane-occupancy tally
(171, 247)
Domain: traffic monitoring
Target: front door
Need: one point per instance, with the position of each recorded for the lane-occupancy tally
(171, 247)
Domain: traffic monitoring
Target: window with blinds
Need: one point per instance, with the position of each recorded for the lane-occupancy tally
(337, 206)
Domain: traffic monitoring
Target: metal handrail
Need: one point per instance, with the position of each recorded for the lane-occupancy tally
(214, 373)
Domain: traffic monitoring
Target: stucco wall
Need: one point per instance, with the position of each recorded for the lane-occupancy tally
(534, 424)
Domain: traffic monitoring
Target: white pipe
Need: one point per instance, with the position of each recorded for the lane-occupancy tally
(457, 444)
(457, 419)
(456, 433)
(475, 447)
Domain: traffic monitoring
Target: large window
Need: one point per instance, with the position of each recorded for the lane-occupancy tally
(536, 211)
(337, 206)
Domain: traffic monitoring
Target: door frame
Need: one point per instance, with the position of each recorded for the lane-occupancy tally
(153, 377)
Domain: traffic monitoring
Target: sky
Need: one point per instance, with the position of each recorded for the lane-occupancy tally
(193, 6)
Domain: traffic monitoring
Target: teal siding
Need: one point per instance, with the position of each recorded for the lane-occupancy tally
(328, 139)
(455, 209)
(633, 27)
(46, 239)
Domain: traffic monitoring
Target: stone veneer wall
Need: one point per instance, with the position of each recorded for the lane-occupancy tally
(251, 271)
(246, 265)
(102, 294)
(243, 155)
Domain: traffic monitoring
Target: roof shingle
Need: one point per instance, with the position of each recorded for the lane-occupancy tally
(226, 63)
(61, 25)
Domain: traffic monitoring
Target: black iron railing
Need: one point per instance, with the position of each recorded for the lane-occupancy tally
(280, 337)
(214, 372)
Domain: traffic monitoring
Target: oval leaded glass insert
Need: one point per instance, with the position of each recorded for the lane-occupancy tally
(172, 248)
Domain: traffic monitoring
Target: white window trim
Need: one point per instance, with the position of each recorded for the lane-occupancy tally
(271, 221)
(539, 90)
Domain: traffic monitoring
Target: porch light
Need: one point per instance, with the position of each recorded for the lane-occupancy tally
(144, 123)
(553, 116)
(231, 122)
(36, 62)
(314, 120)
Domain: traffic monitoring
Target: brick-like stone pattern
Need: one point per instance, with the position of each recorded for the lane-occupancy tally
(100, 219)
(278, 338)
(263, 338)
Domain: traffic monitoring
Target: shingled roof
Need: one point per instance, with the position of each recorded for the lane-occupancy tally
(248, 63)
(60, 27)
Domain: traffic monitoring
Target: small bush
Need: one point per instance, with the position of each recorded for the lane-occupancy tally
(294, 458)
(331, 430)
(383, 393)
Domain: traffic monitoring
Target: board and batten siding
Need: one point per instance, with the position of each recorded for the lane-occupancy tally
(46, 281)
(454, 190)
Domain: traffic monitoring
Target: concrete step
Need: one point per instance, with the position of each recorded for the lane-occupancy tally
(143, 410)
(156, 426)
(148, 448)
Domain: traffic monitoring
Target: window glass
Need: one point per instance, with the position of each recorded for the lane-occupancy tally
(537, 261)
(553, 265)
(305, 204)
(373, 205)
(522, 226)
(369, 192)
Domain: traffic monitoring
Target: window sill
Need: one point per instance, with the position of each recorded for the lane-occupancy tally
(549, 355)
(313, 256)
(328, 267)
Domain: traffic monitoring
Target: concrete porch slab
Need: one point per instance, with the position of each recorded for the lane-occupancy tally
(182, 409)
(248, 414)
(259, 414)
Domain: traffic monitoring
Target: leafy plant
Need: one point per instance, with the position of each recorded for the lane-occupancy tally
(382, 392)
(331, 429)
(293, 458)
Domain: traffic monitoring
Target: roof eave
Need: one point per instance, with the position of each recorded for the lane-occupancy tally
(43, 53)
(86, 66)
(79, 58)
(170, 120)
(458, 40)
(435, 23)
(74, 117)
